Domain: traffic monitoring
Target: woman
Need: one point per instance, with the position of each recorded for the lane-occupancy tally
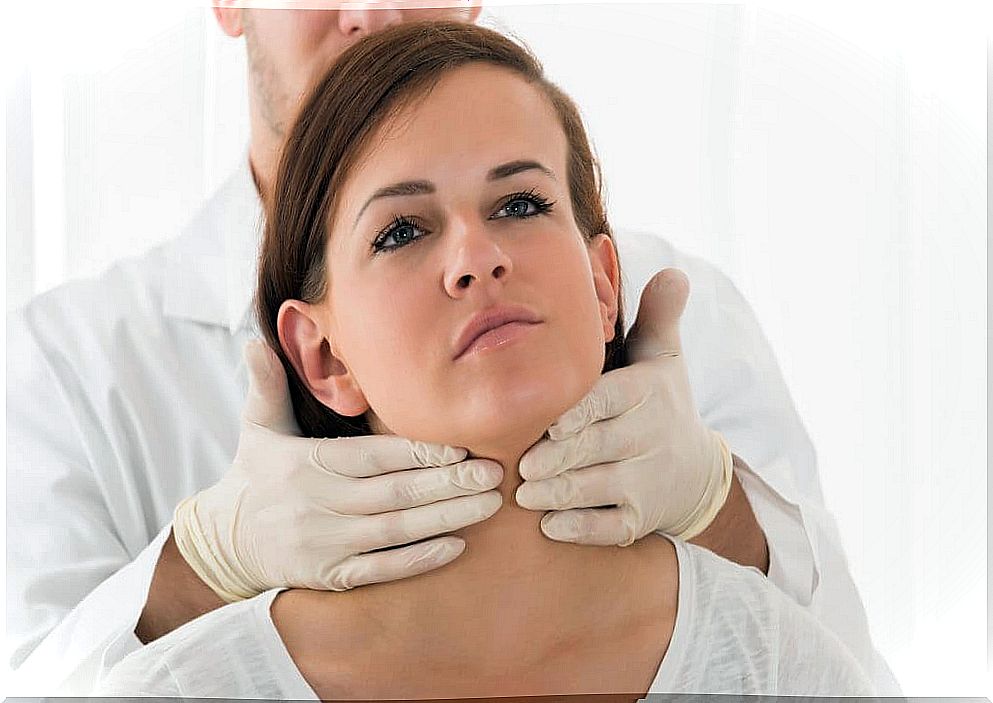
(436, 247)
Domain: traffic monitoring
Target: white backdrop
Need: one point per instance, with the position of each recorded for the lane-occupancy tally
(830, 158)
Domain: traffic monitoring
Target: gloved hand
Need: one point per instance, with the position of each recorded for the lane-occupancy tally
(636, 441)
(302, 512)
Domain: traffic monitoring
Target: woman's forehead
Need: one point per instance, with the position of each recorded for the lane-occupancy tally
(473, 119)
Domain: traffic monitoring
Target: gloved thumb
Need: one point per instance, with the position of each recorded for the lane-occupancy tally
(268, 402)
(656, 329)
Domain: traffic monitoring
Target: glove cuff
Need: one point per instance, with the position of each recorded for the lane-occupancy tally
(714, 496)
(202, 558)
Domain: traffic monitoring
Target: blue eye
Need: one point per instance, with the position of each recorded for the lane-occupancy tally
(398, 233)
(520, 208)
(523, 205)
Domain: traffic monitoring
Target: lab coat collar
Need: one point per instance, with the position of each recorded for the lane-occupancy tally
(211, 266)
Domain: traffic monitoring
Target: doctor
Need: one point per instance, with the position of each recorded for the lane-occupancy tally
(139, 500)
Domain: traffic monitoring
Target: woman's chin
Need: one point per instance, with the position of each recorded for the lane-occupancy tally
(490, 434)
(501, 432)
(509, 444)
(495, 417)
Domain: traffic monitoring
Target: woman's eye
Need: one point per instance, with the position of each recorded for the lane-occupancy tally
(400, 233)
(524, 205)
(520, 208)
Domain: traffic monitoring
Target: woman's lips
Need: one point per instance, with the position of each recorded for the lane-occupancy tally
(490, 320)
(505, 334)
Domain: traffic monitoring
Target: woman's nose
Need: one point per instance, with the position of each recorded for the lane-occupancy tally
(477, 260)
(357, 23)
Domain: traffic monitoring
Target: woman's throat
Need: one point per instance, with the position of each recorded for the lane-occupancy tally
(510, 544)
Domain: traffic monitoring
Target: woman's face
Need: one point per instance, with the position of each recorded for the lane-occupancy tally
(460, 208)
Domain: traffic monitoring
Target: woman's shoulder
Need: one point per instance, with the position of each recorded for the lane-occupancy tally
(744, 635)
(184, 662)
(728, 597)
(327, 620)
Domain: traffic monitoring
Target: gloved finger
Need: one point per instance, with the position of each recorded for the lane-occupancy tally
(614, 392)
(372, 455)
(655, 331)
(392, 564)
(611, 440)
(414, 524)
(409, 489)
(268, 402)
(598, 527)
(581, 488)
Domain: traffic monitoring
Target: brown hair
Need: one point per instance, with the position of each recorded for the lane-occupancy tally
(371, 81)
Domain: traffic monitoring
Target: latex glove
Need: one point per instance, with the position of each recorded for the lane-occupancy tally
(636, 442)
(301, 512)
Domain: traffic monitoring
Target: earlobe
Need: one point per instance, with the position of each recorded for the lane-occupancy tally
(228, 16)
(606, 280)
(327, 377)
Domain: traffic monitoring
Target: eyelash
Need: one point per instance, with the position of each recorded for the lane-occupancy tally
(540, 202)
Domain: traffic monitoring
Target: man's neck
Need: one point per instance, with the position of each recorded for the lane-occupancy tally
(262, 161)
(265, 147)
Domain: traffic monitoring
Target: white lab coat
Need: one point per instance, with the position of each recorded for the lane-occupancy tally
(124, 394)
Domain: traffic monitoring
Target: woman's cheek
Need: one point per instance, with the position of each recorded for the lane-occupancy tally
(394, 377)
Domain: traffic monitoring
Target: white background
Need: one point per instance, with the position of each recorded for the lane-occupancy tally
(830, 158)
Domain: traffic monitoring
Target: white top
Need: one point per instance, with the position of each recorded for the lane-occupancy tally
(124, 394)
(734, 633)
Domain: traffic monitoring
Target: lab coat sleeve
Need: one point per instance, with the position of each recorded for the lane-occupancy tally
(743, 395)
(75, 585)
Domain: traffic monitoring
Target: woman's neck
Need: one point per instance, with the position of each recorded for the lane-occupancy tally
(508, 454)
(508, 552)
(512, 599)
(512, 536)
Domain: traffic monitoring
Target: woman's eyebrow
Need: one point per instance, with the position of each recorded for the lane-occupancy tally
(404, 188)
(513, 167)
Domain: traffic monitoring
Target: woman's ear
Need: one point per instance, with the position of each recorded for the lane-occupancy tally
(301, 334)
(606, 280)
(228, 16)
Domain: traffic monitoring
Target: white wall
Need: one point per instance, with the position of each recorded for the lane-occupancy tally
(830, 158)
(833, 163)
